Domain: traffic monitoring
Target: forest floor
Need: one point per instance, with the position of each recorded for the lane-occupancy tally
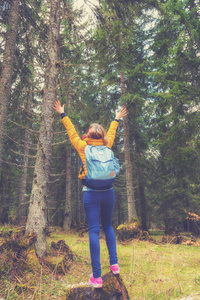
(150, 270)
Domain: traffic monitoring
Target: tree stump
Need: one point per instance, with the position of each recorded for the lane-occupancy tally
(59, 258)
(129, 230)
(113, 289)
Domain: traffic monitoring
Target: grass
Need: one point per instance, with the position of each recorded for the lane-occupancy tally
(149, 270)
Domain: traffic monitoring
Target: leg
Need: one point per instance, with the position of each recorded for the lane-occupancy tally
(107, 205)
(91, 206)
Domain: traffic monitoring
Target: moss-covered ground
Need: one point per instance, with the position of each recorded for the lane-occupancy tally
(149, 270)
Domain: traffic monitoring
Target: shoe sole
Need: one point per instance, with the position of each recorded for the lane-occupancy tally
(96, 286)
(115, 273)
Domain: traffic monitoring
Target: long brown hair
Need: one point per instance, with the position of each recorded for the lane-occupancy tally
(96, 131)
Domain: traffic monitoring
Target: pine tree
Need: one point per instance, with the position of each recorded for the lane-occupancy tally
(38, 213)
(7, 68)
(175, 123)
(111, 41)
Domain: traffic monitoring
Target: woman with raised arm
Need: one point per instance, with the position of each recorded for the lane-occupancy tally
(99, 198)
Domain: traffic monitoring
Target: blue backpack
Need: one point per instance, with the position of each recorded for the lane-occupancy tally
(102, 167)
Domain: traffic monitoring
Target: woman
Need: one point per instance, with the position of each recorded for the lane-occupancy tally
(94, 200)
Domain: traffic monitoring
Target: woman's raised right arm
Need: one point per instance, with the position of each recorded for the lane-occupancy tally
(71, 131)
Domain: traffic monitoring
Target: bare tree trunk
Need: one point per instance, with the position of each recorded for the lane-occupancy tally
(68, 214)
(129, 177)
(22, 207)
(143, 203)
(37, 216)
(3, 213)
(118, 202)
(7, 69)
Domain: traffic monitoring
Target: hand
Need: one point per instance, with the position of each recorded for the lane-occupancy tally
(122, 113)
(58, 107)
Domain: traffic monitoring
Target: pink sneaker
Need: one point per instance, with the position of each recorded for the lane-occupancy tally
(95, 282)
(115, 269)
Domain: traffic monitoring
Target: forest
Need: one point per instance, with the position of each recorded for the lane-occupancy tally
(95, 58)
(142, 55)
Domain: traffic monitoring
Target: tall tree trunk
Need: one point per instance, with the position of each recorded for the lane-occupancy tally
(7, 69)
(3, 209)
(118, 209)
(37, 216)
(22, 207)
(143, 204)
(68, 214)
(128, 165)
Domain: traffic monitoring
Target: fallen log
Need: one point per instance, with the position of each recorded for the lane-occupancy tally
(113, 289)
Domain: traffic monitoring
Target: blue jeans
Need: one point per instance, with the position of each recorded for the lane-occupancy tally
(93, 202)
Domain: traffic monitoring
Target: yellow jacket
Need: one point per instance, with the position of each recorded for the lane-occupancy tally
(80, 144)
